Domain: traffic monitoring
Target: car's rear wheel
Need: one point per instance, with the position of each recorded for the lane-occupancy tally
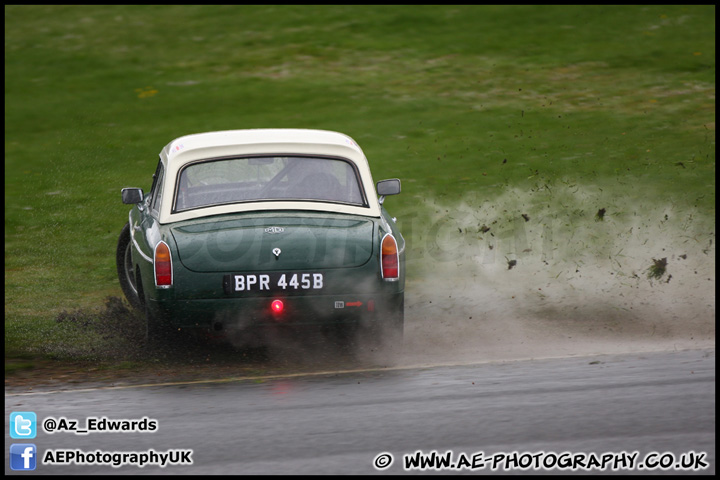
(385, 332)
(155, 328)
(395, 329)
(126, 269)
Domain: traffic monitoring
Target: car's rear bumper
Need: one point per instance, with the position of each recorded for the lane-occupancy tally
(242, 313)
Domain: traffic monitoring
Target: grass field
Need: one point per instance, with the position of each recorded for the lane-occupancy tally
(463, 103)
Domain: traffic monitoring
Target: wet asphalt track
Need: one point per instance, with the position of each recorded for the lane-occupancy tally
(339, 423)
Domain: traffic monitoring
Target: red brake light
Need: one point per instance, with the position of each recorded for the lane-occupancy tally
(390, 264)
(277, 306)
(163, 265)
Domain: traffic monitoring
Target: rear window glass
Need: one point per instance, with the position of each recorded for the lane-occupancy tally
(253, 179)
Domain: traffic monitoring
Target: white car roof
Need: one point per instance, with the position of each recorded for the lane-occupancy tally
(191, 148)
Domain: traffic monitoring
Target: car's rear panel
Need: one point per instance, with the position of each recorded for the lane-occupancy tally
(228, 271)
(274, 242)
(234, 313)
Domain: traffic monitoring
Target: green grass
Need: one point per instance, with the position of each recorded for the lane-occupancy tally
(451, 99)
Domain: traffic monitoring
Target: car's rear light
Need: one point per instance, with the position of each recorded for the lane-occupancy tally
(163, 265)
(277, 306)
(389, 263)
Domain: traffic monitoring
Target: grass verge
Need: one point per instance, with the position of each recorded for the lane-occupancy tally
(457, 101)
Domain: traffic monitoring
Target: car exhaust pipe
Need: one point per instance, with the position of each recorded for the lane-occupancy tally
(217, 326)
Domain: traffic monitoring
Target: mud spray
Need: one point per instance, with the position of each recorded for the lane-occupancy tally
(555, 271)
(559, 271)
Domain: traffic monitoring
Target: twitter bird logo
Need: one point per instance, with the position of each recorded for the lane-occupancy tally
(23, 425)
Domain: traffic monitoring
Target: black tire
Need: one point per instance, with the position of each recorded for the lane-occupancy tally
(395, 330)
(155, 330)
(126, 269)
(385, 333)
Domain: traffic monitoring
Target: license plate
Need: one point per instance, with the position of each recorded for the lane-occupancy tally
(272, 282)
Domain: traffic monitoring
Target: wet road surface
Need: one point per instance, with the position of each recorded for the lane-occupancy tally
(339, 423)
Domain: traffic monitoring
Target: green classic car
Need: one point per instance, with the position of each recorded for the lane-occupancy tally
(246, 229)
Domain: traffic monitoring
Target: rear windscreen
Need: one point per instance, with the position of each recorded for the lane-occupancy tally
(252, 179)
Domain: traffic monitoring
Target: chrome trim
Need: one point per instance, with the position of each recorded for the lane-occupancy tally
(137, 247)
